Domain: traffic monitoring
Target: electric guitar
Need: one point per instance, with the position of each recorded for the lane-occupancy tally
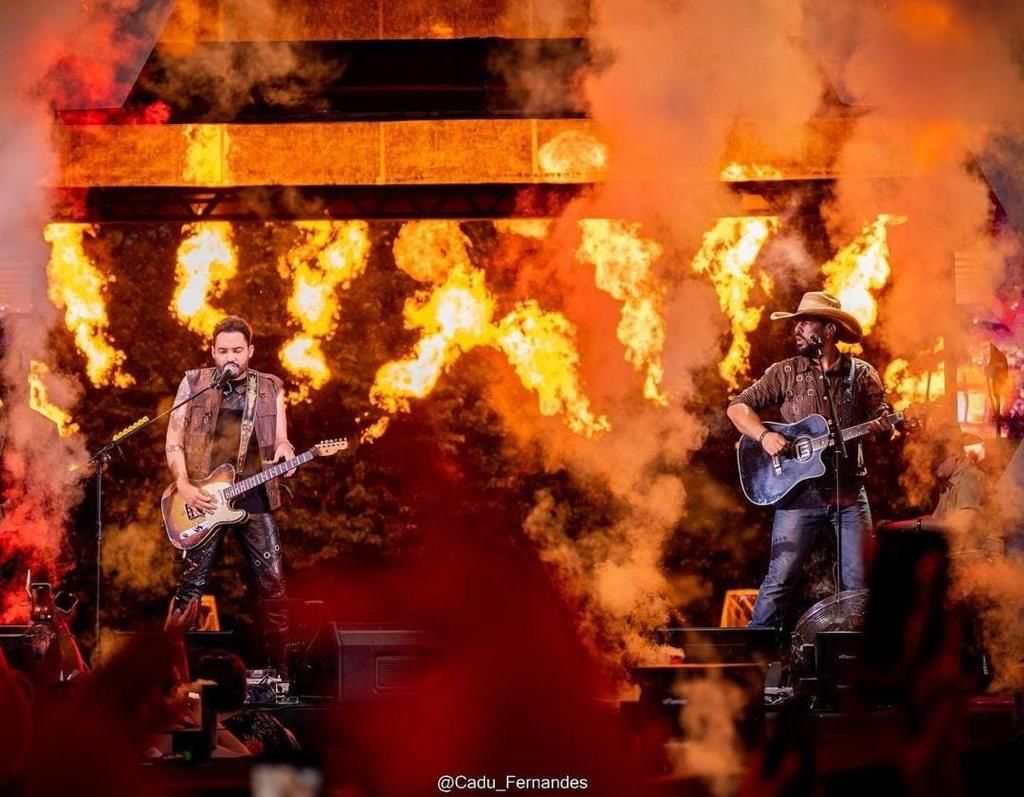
(766, 479)
(188, 528)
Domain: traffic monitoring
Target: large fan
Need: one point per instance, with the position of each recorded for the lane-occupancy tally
(842, 612)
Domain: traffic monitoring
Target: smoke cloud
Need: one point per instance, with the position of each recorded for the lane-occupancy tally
(57, 55)
(667, 83)
(225, 79)
(938, 83)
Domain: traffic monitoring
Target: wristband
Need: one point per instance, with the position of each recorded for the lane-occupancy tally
(761, 438)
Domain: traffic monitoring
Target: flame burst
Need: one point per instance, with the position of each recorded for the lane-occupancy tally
(917, 382)
(454, 318)
(375, 430)
(328, 255)
(623, 262)
(727, 255)
(540, 347)
(861, 267)
(40, 402)
(573, 154)
(206, 263)
(75, 285)
(457, 315)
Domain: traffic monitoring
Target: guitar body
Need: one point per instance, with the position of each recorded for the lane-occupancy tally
(765, 479)
(186, 528)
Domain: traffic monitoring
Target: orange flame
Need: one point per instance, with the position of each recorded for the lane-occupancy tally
(328, 255)
(727, 256)
(206, 263)
(304, 357)
(917, 382)
(861, 267)
(456, 316)
(375, 430)
(75, 285)
(740, 172)
(623, 261)
(429, 250)
(540, 347)
(573, 154)
(39, 401)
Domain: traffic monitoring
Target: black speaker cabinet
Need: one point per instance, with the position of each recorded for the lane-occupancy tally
(721, 645)
(838, 658)
(354, 663)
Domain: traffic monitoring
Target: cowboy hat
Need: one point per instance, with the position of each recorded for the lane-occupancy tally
(825, 307)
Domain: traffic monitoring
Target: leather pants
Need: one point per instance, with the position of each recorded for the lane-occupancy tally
(261, 544)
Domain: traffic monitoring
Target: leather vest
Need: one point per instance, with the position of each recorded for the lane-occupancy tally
(201, 424)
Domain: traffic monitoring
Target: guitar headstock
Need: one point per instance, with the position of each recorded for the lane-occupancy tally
(914, 415)
(328, 448)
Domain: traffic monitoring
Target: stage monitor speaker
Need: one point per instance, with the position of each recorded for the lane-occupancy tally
(841, 612)
(838, 659)
(354, 663)
(670, 696)
(721, 645)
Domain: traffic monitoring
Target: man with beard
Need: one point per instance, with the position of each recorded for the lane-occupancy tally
(241, 422)
(796, 388)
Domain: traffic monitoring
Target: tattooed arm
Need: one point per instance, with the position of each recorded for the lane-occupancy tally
(194, 496)
(176, 435)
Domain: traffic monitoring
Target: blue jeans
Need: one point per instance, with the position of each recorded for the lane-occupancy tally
(793, 533)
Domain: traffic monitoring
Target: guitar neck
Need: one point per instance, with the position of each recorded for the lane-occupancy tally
(862, 429)
(254, 481)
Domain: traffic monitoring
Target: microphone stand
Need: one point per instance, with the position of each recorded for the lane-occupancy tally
(839, 454)
(100, 460)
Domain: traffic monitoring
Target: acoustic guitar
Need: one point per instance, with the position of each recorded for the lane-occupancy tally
(766, 479)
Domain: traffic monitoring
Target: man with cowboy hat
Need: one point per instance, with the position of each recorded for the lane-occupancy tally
(965, 506)
(796, 388)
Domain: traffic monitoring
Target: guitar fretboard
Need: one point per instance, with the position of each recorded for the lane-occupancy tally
(864, 428)
(272, 472)
(853, 432)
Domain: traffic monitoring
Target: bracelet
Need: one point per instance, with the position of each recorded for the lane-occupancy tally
(284, 442)
(762, 435)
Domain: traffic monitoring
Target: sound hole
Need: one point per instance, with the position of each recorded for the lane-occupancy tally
(802, 449)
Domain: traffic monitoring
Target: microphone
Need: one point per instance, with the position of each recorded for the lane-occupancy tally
(227, 373)
(815, 346)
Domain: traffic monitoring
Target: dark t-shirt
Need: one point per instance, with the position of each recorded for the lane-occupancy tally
(225, 446)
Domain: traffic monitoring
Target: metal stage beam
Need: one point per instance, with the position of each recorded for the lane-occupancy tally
(287, 203)
(380, 202)
(421, 152)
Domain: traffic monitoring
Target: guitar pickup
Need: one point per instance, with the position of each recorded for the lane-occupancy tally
(777, 464)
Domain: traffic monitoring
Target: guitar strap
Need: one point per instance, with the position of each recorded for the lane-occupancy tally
(251, 394)
(848, 394)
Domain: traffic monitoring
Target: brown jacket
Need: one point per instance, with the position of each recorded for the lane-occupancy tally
(201, 422)
(794, 386)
